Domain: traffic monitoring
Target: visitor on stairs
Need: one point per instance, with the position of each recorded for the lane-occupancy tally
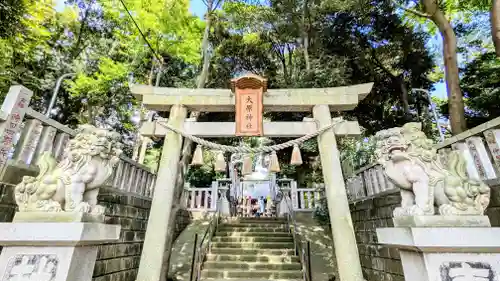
(261, 210)
(249, 206)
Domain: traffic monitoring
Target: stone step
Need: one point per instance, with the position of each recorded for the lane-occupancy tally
(252, 239)
(254, 245)
(259, 252)
(260, 225)
(258, 274)
(218, 265)
(251, 234)
(259, 220)
(247, 279)
(255, 228)
(252, 258)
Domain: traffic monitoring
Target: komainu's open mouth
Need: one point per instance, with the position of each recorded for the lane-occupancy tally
(396, 148)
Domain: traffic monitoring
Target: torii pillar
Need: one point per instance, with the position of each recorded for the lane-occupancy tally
(320, 101)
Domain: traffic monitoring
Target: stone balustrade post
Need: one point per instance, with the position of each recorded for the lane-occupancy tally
(223, 202)
(13, 108)
(285, 203)
(214, 196)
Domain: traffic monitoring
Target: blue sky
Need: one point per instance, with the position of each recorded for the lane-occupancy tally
(197, 7)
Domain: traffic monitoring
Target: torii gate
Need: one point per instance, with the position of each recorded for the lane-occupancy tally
(320, 101)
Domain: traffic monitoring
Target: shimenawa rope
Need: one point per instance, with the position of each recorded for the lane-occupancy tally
(239, 149)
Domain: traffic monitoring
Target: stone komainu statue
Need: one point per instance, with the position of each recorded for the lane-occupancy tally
(411, 162)
(73, 184)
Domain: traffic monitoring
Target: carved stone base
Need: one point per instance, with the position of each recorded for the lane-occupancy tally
(57, 217)
(441, 221)
(52, 251)
(443, 254)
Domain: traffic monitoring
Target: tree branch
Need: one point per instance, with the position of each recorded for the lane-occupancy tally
(417, 13)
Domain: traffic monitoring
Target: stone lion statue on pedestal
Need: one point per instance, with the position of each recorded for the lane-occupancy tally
(411, 162)
(73, 183)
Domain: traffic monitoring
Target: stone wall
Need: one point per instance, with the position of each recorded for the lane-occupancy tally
(7, 203)
(119, 261)
(378, 263)
(381, 263)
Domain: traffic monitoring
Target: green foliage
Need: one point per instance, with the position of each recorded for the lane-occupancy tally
(481, 84)
(11, 13)
(152, 157)
(98, 41)
(204, 175)
(321, 214)
(356, 153)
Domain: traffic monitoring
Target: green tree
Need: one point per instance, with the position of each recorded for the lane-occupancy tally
(481, 84)
(344, 48)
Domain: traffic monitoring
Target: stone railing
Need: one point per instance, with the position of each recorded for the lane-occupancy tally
(303, 199)
(368, 182)
(479, 145)
(26, 134)
(306, 199)
(202, 198)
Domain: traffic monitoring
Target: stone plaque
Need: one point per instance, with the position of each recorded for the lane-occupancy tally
(249, 92)
(31, 268)
(15, 104)
(467, 271)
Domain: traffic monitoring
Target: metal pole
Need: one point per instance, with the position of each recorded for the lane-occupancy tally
(434, 112)
(56, 90)
(308, 250)
(193, 258)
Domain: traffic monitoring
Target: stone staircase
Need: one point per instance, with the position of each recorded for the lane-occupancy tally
(252, 249)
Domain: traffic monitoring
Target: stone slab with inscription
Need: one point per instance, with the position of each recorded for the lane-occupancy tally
(445, 253)
(52, 251)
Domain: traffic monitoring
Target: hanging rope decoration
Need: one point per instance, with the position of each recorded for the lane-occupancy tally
(220, 164)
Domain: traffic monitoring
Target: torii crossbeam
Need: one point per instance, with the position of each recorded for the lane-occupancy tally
(318, 101)
(275, 100)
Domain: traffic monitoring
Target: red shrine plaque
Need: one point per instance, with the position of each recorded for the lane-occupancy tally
(249, 107)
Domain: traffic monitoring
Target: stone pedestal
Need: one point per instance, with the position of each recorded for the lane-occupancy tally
(52, 251)
(285, 203)
(224, 209)
(446, 253)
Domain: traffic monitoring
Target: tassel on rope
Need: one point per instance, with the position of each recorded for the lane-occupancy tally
(247, 166)
(274, 165)
(197, 156)
(220, 163)
(296, 159)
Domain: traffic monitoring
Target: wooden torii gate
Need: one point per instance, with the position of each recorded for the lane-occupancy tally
(320, 101)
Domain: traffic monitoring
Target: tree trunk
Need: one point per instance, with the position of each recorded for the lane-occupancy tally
(187, 148)
(495, 25)
(305, 34)
(204, 49)
(455, 97)
(285, 71)
(290, 63)
(404, 97)
(399, 79)
(151, 72)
